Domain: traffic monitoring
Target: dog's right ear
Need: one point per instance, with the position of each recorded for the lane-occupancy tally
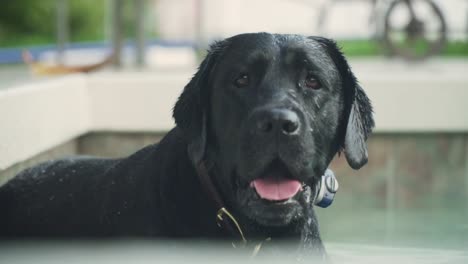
(190, 110)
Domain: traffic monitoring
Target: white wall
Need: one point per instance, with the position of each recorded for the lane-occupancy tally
(40, 115)
(134, 101)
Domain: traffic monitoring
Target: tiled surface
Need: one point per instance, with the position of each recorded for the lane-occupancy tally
(115, 145)
(412, 192)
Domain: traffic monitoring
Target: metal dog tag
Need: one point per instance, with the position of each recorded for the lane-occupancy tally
(327, 189)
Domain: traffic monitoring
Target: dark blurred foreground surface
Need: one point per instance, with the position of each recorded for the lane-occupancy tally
(134, 251)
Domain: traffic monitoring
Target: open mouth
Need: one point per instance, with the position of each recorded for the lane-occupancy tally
(276, 183)
(275, 196)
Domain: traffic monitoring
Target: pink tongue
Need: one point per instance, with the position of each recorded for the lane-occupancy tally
(276, 189)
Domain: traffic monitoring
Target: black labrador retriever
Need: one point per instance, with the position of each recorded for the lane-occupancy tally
(257, 126)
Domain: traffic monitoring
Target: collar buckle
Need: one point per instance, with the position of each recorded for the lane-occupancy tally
(220, 220)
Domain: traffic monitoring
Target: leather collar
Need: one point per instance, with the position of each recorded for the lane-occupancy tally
(224, 218)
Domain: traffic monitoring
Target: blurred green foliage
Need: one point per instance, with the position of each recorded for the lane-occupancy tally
(33, 22)
(28, 22)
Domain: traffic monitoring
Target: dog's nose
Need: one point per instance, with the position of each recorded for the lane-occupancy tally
(277, 120)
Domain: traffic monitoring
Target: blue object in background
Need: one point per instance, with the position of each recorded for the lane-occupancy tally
(13, 55)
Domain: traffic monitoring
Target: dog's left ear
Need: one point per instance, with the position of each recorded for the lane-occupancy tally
(358, 129)
(357, 108)
(190, 110)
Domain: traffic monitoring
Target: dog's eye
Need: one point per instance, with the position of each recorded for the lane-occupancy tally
(312, 83)
(242, 80)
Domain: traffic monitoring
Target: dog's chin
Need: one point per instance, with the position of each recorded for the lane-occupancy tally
(273, 213)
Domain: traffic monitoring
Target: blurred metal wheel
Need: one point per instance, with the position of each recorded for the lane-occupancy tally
(414, 29)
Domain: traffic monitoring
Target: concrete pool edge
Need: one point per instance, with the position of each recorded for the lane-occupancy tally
(38, 116)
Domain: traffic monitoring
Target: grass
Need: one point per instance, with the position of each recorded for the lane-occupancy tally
(365, 48)
(360, 47)
(458, 48)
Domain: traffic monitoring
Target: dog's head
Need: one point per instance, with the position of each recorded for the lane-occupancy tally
(268, 113)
